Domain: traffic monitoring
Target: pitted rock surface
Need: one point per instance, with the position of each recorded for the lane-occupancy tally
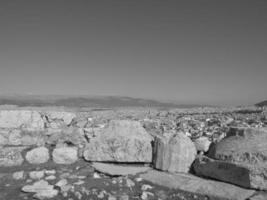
(121, 141)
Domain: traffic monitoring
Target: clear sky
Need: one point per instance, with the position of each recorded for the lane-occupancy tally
(210, 52)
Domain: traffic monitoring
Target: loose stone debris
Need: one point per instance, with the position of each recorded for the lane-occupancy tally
(207, 153)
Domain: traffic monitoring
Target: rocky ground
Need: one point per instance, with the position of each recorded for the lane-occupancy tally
(133, 153)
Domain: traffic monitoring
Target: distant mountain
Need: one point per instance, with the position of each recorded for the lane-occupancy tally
(261, 104)
(85, 101)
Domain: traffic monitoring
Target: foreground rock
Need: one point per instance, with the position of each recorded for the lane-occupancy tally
(26, 119)
(174, 153)
(190, 183)
(42, 190)
(121, 141)
(202, 144)
(38, 155)
(119, 170)
(65, 155)
(11, 156)
(224, 171)
(246, 147)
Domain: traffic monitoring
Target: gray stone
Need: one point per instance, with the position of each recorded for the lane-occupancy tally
(174, 153)
(121, 141)
(25, 119)
(246, 147)
(69, 135)
(11, 156)
(36, 174)
(57, 116)
(259, 196)
(18, 175)
(193, 184)
(42, 190)
(119, 170)
(38, 155)
(25, 138)
(65, 155)
(202, 144)
(224, 171)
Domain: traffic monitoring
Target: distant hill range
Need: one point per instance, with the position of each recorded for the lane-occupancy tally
(84, 101)
(261, 104)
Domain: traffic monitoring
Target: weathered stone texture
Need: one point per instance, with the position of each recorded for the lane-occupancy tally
(121, 141)
(174, 153)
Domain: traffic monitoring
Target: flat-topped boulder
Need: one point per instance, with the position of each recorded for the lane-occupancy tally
(121, 141)
(190, 183)
(174, 152)
(119, 170)
(26, 119)
(246, 147)
(224, 171)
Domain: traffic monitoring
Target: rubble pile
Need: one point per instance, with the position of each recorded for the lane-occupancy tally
(177, 149)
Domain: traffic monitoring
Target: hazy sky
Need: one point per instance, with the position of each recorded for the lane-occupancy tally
(201, 51)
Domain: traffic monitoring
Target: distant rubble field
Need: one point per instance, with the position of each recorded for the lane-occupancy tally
(133, 153)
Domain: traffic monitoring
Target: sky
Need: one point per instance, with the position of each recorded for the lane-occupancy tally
(201, 52)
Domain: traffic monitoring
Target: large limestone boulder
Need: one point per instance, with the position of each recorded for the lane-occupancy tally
(174, 153)
(193, 184)
(223, 171)
(38, 155)
(121, 141)
(11, 156)
(246, 147)
(25, 119)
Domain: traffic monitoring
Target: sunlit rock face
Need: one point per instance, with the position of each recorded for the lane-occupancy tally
(26, 119)
(246, 147)
(174, 153)
(121, 141)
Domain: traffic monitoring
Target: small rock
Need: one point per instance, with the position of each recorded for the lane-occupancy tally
(111, 197)
(50, 172)
(145, 195)
(146, 187)
(124, 197)
(96, 175)
(36, 174)
(202, 144)
(129, 183)
(138, 179)
(61, 183)
(78, 195)
(18, 175)
(51, 177)
(119, 170)
(80, 182)
(38, 155)
(101, 195)
(65, 155)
